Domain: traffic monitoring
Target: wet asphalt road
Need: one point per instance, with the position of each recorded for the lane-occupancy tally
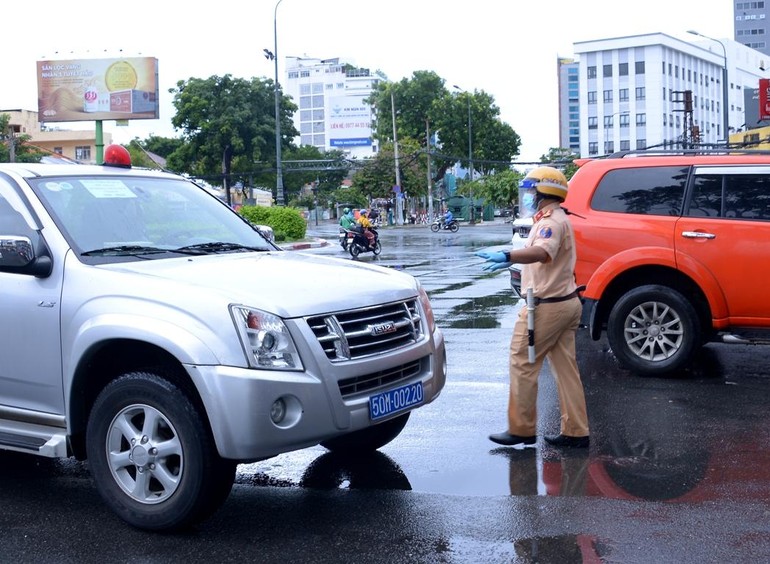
(678, 469)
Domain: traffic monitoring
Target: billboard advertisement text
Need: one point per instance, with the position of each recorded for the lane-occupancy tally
(97, 89)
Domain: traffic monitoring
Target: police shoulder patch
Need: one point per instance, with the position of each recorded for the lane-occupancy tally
(546, 232)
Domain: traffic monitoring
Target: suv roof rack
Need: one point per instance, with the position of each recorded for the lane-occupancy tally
(711, 151)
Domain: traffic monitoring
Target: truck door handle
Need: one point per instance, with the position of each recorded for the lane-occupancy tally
(698, 235)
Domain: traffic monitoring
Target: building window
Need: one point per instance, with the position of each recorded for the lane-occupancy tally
(83, 153)
(640, 93)
(623, 95)
(592, 97)
(593, 122)
(641, 144)
(641, 119)
(607, 122)
(607, 70)
(593, 148)
(58, 150)
(639, 67)
(609, 147)
(623, 69)
(591, 72)
(625, 145)
(625, 120)
(607, 96)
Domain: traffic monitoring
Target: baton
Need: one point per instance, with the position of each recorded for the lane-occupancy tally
(531, 325)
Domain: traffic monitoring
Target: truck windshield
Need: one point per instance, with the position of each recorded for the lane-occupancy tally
(132, 212)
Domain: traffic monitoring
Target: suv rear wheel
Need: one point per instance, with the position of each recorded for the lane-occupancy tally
(151, 455)
(653, 330)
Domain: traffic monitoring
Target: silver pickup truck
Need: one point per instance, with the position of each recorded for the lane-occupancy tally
(147, 327)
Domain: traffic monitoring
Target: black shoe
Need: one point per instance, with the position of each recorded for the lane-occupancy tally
(507, 439)
(567, 441)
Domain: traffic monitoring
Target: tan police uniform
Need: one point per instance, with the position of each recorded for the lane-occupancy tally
(557, 317)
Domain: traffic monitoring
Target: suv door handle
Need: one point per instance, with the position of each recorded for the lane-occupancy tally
(698, 235)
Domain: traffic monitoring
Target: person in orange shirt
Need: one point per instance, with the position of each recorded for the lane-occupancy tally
(366, 225)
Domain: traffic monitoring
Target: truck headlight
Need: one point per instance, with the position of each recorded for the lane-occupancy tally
(266, 339)
(430, 322)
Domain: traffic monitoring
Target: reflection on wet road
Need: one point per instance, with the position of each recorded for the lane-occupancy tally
(701, 436)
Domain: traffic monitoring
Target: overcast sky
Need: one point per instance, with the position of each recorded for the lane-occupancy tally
(508, 48)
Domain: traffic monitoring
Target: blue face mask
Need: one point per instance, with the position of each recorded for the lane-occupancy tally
(527, 203)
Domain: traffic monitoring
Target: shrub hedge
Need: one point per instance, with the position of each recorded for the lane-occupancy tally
(287, 223)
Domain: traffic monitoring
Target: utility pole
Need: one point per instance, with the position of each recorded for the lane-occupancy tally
(399, 193)
(430, 188)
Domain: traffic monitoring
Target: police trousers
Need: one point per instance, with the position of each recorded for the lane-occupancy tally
(555, 328)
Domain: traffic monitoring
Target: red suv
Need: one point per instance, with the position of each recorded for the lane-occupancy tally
(672, 249)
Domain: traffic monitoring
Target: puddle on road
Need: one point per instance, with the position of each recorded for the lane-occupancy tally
(488, 312)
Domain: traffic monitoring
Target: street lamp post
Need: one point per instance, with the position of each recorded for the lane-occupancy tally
(472, 219)
(279, 196)
(725, 105)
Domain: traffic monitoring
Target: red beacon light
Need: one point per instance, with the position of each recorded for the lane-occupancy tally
(117, 155)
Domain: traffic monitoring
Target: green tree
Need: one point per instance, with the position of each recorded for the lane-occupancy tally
(228, 125)
(561, 158)
(162, 146)
(331, 168)
(424, 107)
(501, 189)
(378, 176)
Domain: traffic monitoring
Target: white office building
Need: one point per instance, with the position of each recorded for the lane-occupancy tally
(330, 95)
(632, 90)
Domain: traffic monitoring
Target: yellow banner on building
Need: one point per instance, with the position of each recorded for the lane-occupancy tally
(97, 89)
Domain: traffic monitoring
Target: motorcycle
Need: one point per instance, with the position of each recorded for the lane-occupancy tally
(344, 237)
(358, 243)
(439, 224)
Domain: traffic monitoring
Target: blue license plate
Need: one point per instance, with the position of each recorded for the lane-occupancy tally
(395, 400)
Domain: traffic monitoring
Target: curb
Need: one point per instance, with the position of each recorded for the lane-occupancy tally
(302, 245)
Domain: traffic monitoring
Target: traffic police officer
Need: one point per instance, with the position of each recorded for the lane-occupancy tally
(549, 262)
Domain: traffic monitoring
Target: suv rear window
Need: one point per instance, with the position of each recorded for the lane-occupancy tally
(644, 190)
(731, 196)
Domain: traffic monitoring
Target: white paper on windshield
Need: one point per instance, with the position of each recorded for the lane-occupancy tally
(108, 188)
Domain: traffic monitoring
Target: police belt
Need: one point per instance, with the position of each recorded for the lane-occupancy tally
(569, 296)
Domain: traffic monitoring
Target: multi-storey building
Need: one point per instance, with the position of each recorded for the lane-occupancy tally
(330, 95)
(632, 91)
(752, 25)
(569, 104)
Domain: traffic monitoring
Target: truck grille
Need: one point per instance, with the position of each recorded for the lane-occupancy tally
(381, 379)
(360, 333)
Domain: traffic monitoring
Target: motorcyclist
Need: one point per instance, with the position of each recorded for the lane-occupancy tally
(347, 221)
(448, 217)
(366, 226)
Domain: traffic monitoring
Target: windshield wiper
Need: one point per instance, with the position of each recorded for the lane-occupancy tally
(121, 250)
(217, 247)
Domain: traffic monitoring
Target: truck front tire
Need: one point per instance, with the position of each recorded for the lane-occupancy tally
(151, 455)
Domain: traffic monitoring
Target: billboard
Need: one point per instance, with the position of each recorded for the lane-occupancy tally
(350, 122)
(97, 89)
(764, 99)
